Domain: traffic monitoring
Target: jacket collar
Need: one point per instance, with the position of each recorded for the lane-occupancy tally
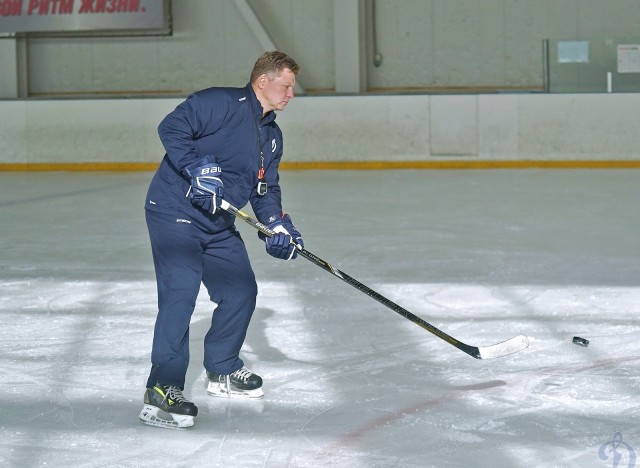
(257, 108)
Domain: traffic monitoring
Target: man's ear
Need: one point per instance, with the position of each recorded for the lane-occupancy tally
(262, 80)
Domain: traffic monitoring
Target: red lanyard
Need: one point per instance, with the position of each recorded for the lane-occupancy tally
(262, 182)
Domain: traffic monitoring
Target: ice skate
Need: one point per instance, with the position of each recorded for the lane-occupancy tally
(239, 384)
(165, 406)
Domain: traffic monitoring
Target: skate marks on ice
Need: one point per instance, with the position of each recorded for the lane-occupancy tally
(351, 388)
(68, 349)
(552, 416)
(334, 451)
(594, 391)
(335, 362)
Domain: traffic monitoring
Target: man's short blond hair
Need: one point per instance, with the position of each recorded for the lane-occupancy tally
(273, 63)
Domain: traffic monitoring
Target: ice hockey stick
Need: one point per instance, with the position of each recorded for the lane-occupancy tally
(510, 346)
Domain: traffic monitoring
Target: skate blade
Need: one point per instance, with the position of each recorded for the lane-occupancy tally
(220, 390)
(149, 415)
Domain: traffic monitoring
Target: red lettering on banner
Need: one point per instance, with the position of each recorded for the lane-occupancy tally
(118, 6)
(50, 7)
(33, 4)
(86, 7)
(109, 6)
(10, 7)
(66, 7)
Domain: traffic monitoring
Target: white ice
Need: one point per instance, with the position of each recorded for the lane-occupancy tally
(482, 255)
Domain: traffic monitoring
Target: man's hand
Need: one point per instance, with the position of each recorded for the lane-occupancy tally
(281, 245)
(207, 189)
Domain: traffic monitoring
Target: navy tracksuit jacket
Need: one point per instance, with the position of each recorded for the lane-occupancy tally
(191, 246)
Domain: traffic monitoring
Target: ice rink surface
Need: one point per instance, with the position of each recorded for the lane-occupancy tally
(483, 255)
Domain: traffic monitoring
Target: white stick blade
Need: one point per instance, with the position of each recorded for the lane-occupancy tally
(512, 345)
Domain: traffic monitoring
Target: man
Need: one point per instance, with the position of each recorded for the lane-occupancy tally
(220, 143)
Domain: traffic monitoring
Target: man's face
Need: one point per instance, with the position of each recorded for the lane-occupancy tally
(275, 91)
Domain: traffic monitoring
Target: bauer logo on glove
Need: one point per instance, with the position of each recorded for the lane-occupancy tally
(214, 170)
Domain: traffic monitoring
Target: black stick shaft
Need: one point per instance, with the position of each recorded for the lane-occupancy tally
(470, 350)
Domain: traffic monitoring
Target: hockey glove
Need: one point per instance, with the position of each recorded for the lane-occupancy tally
(281, 245)
(206, 189)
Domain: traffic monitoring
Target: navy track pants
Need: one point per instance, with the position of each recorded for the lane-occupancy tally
(185, 256)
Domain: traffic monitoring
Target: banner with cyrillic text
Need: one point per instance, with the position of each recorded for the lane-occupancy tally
(17, 16)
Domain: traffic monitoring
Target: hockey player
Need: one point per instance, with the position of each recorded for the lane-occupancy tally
(221, 143)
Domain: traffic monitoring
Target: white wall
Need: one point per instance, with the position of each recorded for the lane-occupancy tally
(426, 44)
(346, 128)
(9, 68)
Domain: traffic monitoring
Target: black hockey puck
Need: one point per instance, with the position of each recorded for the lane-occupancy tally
(580, 341)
